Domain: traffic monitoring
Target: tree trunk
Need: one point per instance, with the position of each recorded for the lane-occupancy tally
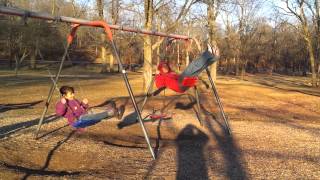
(147, 45)
(211, 17)
(317, 53)
(33, 56)
(147, 66)
(318, 84)
(187, 58)
(100, 6)
(11, 57)
(53, 10)
(111, 63)
(16, 69)
(11, 47)
(158, 55)
(271, 69)
(243, 70)
(213, 71)
(237, 62)
(115, 17)
(19, 61)
(103, 55)
(178, 58)
(307, 38)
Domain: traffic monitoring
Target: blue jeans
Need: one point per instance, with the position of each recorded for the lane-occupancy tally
(91, 119)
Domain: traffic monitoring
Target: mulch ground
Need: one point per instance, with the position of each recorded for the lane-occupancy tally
(275, 122)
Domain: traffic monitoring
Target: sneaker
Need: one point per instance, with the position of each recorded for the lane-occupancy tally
(111, 108)
(111, 105)
(119, 112)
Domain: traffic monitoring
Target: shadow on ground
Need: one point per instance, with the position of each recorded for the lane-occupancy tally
(42, 171)
(8, 107)
(14, 128)
(191, 161)
(228, 147)
(285, 83)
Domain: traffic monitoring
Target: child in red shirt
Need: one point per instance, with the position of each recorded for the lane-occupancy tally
(166, 78)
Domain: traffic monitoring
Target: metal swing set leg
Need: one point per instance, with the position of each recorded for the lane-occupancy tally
(215, 93)
(51, 91)
(198, 111)
(124, 75)
(147, 95)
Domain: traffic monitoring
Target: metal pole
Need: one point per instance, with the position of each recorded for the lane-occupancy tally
(46, 106)
(125, 77)
(45, 16)
(198, 105)
(215, 92)
(26, 14)
(148, 93)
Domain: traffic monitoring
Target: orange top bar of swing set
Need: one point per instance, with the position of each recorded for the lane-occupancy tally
(102, 24)
(30, 14)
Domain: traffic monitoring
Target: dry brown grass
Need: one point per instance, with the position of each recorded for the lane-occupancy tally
(274, 120)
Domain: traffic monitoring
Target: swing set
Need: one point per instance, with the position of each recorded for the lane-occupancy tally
(77, 23)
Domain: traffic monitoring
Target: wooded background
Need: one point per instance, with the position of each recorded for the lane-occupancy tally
(254, 36)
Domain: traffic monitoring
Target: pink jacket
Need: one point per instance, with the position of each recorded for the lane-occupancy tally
(72, 110)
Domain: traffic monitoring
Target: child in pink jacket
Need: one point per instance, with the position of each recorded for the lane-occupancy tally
(75, 111)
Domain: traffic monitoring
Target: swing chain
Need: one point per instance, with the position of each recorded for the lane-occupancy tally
(25, 17)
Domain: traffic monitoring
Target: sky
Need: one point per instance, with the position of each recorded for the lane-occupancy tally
(266, 10)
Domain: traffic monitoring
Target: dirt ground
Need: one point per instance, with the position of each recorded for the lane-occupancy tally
(275, 122)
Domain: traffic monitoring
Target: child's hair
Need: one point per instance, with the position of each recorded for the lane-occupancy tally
(65, 89)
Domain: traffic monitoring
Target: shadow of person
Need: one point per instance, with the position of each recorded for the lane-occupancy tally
(8, 107)
(191, 162)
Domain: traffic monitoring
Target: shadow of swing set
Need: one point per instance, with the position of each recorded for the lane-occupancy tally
(76, 23)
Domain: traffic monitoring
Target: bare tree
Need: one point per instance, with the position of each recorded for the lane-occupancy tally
(53, 3)
(297, 9)
(245, 11)
(212, 14)
(314, 8)
(100, 10)
(230, 44)
(148, 47)
(115, 17)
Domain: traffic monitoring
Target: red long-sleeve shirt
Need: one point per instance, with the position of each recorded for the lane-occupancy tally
(171, 79)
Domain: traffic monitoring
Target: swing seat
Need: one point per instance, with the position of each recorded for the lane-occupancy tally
(160, 116)
(85, 123)
(89, 119)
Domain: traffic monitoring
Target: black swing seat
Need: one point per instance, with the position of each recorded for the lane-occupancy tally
(199, 64)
